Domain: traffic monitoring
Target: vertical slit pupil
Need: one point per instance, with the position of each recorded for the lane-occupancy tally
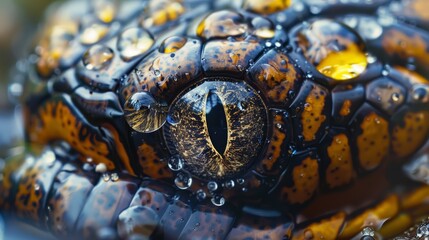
(216, 122)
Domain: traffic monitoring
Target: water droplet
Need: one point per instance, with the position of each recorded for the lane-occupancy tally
(106, 177)
(93, 33)
(114, 177)
(396, 97)
(15, 90)
(308, 107)
(172, 44)
(278, 125)
(218, 200)
(423, 231)
(229, 184)
(338, 140)
(308, 234)
(265, 7)
(223, 23)
(105, 10)
(201, 195)
(377, 120)
(369, 28)
(101, 168)
(157, 73)
(212, 186)
(244, 189)
(97, 57)
(368, 231)
(144, 114)
(49, 157)
(264, 28)
(315, 9)
(175, 163)
(385, 72)
(36, 187)
(183, 180)
(419, 93)
(134, 42)
(371, 58)
(330, 57)
(88, 167)
(240, 181)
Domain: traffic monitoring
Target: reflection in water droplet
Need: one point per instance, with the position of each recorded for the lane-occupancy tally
(229, 184)
(105, 10)
(377, 120)
(49, 157)
(419, 93)
(264, 28)
(218, 200)
(201, 195)
(344, 65)
(175, 163)
(114, 177)
(161, 12)
(106, 177)
(371, 58)
(396, 97)
(93, 33)
(308, 107)
(172, 44)
(336, 51)
(368, 231)
(97, 57)
(134, 42)
(240, 181)
(144, 114)
(385, 72)
(222, 24)
(212, 186)
(183, 180)
(266, 6)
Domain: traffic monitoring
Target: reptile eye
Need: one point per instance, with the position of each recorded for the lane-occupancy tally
(217, 128)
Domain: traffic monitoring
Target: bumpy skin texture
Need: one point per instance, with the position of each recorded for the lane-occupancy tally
(338, 120)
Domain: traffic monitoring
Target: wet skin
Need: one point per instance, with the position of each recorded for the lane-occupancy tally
(171, 119)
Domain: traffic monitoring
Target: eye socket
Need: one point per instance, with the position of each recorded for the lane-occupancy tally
(218, 128)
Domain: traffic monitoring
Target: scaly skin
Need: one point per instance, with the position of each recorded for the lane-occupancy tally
(345, 94)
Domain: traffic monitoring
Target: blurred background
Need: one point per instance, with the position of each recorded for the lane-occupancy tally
(19, 20)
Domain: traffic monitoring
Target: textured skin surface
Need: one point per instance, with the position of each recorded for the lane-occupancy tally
(336, 117)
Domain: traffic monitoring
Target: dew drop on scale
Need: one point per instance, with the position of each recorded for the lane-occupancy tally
(175, 163)
(183, 181)
(97, 57)
(93, 33)
(229, 184)
(212, 186)
(201, 195)
(218, 200)
(134, 42)
(144, 114)
(264, 28)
